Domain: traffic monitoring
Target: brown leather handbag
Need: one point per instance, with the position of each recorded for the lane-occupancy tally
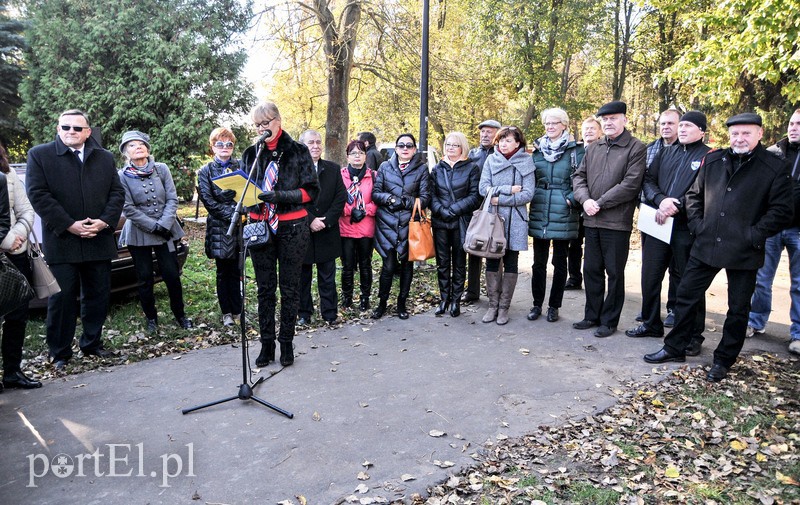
(420, 236)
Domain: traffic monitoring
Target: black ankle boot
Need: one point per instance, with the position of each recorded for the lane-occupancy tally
(379, 310)
(364, 303)
(402, 313)
(347, 301)
(287, 353)
(267, 354)
(455, 308)
(442, 308)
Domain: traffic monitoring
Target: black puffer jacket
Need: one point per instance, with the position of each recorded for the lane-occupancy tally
(391, 230)
(671, 174)
(218, 244)
(791, 156)
(464, 178)
(295, 171)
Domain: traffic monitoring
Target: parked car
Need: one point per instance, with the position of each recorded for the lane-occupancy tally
(123, 275)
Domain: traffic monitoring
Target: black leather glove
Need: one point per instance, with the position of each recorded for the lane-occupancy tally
(446, 213)
(394, 203)
(357, 215)
(267, 196)
(406, 202)
(289, 196)
(228, 194)
(162, 232)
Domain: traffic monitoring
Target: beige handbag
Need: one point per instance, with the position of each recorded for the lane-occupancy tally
(485, 235)
(44, 283)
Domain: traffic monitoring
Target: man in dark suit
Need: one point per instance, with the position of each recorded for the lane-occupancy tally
(326, 244)
(74, 187)
(741, 196)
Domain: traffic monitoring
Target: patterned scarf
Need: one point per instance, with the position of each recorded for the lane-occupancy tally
(354, 191)
(135, 172)
(552, 150)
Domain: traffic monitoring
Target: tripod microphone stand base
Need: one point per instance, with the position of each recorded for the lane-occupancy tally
(245, 393)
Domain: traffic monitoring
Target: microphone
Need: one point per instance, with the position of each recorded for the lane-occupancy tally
(263, 138)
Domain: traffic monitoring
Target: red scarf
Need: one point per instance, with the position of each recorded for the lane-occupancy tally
(273, 142)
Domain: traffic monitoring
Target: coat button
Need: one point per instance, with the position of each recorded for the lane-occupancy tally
(722, 214)
(719, 239)
(729, 189)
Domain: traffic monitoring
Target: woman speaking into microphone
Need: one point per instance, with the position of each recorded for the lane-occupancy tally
(285, 172)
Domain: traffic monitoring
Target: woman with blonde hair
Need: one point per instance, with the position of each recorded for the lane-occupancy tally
(554, 213)
(454, 196)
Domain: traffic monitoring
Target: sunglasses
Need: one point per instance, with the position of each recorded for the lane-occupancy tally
(406, 146)
(222, 145)
(67, 128)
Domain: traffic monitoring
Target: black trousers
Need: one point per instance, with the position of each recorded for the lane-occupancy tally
(510, 262)
(14, 322)
(451, 263)
(229, 291)
(657, 257)
(575, 254)
(91, 280)
(326, 286)
(170, 272)
(696, 279)
(541, 252)
(279, 264)
(605, 259)
(357, 251)
(474, 263)
(391, 265)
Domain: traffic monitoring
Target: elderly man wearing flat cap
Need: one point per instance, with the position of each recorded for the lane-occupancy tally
(666, 182)
(741, 196)
(488, 129)
(607, 185)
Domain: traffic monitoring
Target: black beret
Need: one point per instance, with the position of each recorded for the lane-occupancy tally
(696, 117)
(745, 118)
(613, 108)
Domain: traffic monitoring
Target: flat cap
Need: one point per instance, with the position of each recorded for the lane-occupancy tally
(133, 135)
(615, 107)
(744, 118)
(491, 123)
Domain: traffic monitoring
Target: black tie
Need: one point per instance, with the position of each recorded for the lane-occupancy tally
(78, 155)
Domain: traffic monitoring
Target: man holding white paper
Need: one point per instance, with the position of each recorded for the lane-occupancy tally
(666, 182)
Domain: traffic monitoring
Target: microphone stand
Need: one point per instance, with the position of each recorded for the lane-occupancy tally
(245, 388)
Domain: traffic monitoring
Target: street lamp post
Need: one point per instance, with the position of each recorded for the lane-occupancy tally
(423, 85)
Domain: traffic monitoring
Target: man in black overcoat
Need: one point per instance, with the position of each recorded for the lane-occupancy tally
(74, 187)
(326, 243)
(741, 196)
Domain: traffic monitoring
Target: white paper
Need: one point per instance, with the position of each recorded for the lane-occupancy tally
(647, 224)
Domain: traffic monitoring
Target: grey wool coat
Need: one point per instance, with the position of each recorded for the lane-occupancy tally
(149, 201)
(501, 173)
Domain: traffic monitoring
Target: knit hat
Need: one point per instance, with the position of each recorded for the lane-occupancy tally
(133, 135)
(745, 118)
(697, 118)
(616, 107)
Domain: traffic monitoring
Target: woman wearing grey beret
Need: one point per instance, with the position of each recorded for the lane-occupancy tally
(151, 225)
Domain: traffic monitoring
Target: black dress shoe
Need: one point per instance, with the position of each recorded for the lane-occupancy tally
(267, 354)
(455, 309)
(60, 364)
(669, 321)
(402, 313)
(694, 347)
(639, 317)
(534, 314)
(185, 323)
(468, 297)
(663, 356)
(572, 284)
(20, 380)
(643, 331)
(585, 324)
(441, 309)
(604, 331)
(99, 352)
(379, 310)
(303, 321)
(717, 373)
(552, 314)
(287, 353)
(152, 325)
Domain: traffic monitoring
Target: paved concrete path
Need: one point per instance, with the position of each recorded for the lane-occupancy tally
(365, 398)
